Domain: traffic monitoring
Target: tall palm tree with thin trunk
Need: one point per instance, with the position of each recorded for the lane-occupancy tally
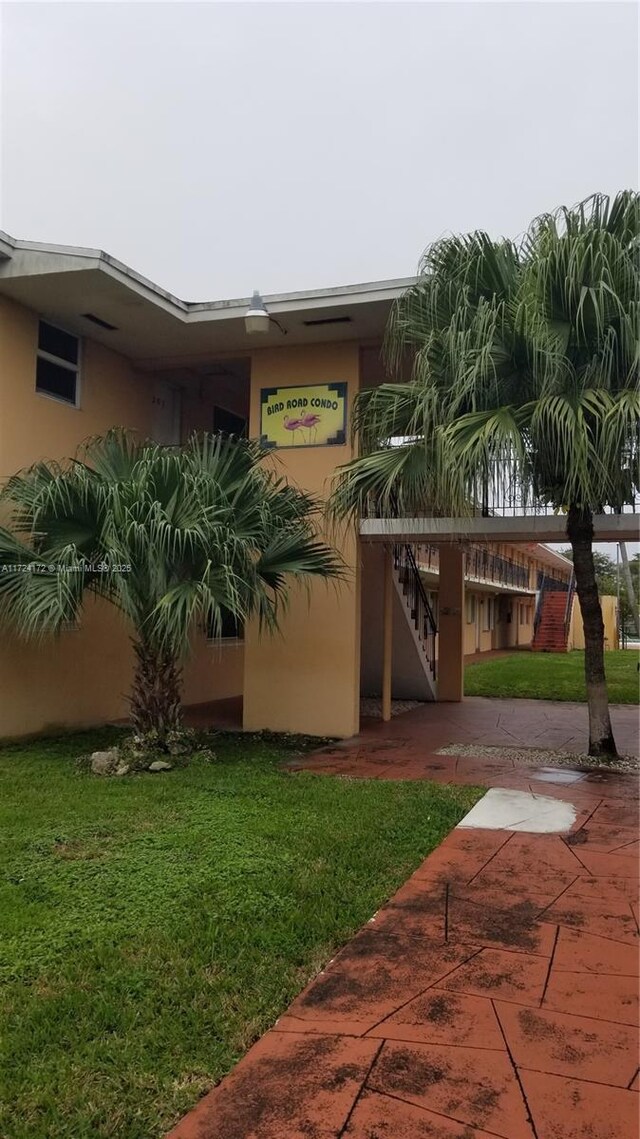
(516, 369)
(171, 536)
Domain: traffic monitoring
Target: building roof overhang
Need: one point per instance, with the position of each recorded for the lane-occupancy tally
(530, 528)
(64, 283)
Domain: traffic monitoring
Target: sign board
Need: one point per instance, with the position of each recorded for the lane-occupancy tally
(313, 415)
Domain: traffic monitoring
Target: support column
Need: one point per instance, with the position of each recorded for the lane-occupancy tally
(451, 624)
(387, 633)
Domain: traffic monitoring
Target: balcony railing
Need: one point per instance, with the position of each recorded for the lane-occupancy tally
(549, 581)
(428, 558)
(483, 565)
(500, 495)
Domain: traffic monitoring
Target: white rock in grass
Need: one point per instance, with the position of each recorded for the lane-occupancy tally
(160, 765)
(105, 762)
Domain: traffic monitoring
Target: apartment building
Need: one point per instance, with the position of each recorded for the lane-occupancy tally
(87, 344)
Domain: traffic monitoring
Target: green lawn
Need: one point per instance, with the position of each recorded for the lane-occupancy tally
(154, 926)
(551, 676)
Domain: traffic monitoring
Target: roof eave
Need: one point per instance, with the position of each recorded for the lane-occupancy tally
(282, 303)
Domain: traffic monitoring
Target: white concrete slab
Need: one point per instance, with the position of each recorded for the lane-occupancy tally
(507, 810)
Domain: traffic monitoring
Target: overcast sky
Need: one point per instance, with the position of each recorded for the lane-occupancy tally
(225, 146)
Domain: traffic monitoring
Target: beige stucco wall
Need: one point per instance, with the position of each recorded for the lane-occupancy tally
(609, 606)
(82, 677)
(505, 634)
(34, 426)
(475, 637)
(213, 670)
(307, 678)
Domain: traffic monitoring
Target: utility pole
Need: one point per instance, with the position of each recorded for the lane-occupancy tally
(628, 580)
(621, 641)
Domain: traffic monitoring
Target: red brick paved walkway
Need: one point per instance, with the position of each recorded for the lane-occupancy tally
(495, 996)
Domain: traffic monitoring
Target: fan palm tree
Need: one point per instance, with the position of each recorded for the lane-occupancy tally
(171, 536)
(517, 374)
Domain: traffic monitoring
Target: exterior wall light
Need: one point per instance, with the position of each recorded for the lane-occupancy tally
(257, 319)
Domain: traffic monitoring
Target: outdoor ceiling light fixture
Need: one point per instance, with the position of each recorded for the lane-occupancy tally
(257, 319)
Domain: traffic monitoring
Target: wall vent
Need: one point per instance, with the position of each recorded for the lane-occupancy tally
(327, 320)
(99, 321)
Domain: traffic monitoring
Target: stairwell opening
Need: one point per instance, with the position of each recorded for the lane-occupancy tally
(413, 643)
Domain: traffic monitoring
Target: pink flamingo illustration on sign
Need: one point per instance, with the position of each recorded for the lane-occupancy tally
(311, 421)
(292, 425)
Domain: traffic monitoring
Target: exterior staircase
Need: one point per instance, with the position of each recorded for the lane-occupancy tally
(418, 613)
(551, 632)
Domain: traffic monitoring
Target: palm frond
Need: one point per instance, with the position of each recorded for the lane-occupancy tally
(203, 527)
(520, 360)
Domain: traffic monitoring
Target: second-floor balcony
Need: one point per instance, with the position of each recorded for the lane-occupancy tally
(481, 565)
(484, 565)
(501, 510)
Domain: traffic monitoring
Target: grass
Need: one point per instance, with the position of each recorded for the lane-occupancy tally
(551, 676)
(154, 926)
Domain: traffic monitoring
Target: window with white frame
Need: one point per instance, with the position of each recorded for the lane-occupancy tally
(58, 363)
(470, 608)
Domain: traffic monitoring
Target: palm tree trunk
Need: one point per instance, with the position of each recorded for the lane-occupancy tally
(580, 534)
(155, 702)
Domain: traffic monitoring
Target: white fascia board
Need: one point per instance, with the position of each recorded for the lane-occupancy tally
(538, 528)
(313, 298)
(554, 555)
(7, 246)
(485, 584)
(33, 258)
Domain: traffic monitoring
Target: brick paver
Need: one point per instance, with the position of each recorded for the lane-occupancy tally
(495, 996)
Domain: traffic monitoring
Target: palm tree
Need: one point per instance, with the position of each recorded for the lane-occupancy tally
(171, 536)
(522, 361)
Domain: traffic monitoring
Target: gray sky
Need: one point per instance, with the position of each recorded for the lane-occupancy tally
(225, 146)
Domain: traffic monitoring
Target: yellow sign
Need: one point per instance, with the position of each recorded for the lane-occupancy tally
(308, 416)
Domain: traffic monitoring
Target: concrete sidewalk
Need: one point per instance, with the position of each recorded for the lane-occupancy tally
(495, 996)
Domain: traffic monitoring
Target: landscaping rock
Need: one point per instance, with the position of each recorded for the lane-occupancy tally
(122, 769)
(105, 762)
(160, 765)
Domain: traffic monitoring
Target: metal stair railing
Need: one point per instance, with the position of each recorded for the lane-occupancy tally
(568, 609)
(421, 612)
